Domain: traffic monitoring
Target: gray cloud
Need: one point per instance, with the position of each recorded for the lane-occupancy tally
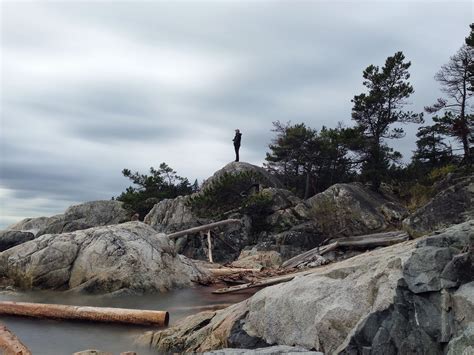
(89, 88)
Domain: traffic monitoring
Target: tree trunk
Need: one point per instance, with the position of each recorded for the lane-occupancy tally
(306, 189)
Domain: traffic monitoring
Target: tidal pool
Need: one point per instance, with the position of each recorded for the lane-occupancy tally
(58, 337)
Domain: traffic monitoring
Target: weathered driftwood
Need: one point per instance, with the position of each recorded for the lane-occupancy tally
(203, 228)
(308, 255)
(373, 241)
(209, 246)
(362, 241)
(229, 271)
(96, 314)
(10, 344)
(367, 241)
(264, 282)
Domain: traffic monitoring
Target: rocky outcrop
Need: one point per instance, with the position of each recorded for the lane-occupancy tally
(288, 225)
(414, 297)
(294, 225)
(264, 178)
(34, 225)
(353, 209)
(77, 217)
(172, 215)
(453, 204)
(129, 257)
(9, 239)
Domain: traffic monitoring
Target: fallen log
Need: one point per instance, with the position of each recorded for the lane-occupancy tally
(202, 228)
(96, 314)
(362, 241)
(298, 259)
(10, 344)
(264, 282)
(371, 242)
(229, 271)
(390, 234)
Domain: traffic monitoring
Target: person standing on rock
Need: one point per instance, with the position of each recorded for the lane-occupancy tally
(236, 140)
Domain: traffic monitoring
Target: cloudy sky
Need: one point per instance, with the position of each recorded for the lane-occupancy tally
(90, 88)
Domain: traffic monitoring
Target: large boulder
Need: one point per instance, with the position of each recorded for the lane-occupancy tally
(353, 209)
(77, 217)
(129, 257)
(222, 196)
(34, 225)
(373, 303)
(262, 176)
(9, 239)
(172, 215)
(453, 204)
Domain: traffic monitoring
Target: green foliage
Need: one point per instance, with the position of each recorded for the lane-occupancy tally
(258, 207)
(150, 189)
(420, 188)
(431, 150)
(225, 194)
(308, 161)
(419, 195)
(378, 109)
(441, 172)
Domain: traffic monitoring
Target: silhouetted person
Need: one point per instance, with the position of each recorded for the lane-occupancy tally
(237, 138)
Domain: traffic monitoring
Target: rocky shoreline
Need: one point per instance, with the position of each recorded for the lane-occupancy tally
(413, 296)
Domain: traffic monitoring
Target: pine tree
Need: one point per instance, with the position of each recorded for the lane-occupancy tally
(431, 150)
(378, 109)
(456, 120)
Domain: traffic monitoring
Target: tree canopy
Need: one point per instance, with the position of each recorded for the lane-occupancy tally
(378, 109)
(162, 183)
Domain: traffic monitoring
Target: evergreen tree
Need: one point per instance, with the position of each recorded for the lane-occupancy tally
(431, 150)
(470, 43)
(456, 120)
(308, 161)
(150, 189)
(377, 110)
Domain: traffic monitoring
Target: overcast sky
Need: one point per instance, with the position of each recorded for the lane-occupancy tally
(90, 88)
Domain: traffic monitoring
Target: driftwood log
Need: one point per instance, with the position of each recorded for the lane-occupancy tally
(308, 255)
(230, 270)
(362, 241)
(203, 228)
(374, 240)
(207, 229)
(96, 314)
(264, 282)
(365, 241)
(10, 344)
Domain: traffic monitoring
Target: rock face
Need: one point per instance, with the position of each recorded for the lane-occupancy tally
(264, 177)
(129, 257)
(172, 215)
(352, 209)
(9, 239)
(410, 298)
(454, 204)
(288, 226)
(34, 225)
(77, 217)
